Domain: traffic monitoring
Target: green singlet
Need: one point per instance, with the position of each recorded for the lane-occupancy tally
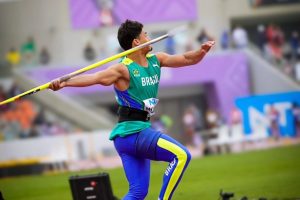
(141, 94)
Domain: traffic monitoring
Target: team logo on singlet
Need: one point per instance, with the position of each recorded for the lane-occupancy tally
(136, 73)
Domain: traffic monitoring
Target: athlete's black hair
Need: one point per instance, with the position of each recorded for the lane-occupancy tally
(128, 31)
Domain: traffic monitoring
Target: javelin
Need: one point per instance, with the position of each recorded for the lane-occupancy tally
(95, 65)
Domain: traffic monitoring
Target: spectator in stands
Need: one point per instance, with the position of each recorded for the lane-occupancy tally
(270, 32)
(204, 36)
(278, 37)
(192, 137)
(235, 117)
(44, 56)
(225, 40)
(167, 122)
(212, 118)
(25, 113)
(240, 37)
(105, 11)
(278, 40)
(13, 57)
(28, 50)
(269, 35)
(273, 116)
(275, 39)
(261, 38)
(213, 123)
(193, 122)
(89, 52)
(295, 45)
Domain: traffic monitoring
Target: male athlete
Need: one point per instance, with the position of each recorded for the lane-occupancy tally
(136, 79)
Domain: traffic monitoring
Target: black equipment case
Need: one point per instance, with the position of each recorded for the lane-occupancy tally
(91, 187)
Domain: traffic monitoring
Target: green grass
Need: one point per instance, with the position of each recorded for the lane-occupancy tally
(274, 174)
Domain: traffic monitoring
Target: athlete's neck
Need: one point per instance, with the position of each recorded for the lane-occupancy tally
(139, 57)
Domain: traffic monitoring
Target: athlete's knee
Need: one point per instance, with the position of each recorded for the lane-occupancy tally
(184, 156)
(138, 192)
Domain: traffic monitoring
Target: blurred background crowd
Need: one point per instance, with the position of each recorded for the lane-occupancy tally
(279, 45)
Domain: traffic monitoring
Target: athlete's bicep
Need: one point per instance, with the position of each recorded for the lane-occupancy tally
(167, 60)
(110, 75)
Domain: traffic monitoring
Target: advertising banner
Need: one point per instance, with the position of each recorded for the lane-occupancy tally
(275, 113)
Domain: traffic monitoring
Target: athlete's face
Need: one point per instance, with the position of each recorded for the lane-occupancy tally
(143, 38)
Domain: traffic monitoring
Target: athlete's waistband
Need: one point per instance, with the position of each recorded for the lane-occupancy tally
(132, 114)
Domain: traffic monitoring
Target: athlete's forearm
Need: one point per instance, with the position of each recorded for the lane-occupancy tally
(81, 81)
(185, 59)
(105, 77)
(193, 57)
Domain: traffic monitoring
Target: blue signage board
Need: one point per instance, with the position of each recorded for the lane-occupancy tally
(267, 110)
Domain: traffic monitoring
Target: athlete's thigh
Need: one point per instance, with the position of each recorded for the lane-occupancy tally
(167, 148)
(157, 146)
(137, 170)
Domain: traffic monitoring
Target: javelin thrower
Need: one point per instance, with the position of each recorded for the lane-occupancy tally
(136, 80)
(95, 65)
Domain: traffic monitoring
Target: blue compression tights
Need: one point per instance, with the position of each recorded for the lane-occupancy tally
(138, 149)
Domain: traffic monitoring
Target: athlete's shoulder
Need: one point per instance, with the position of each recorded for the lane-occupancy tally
(160, 56)
(119, 68)
(126, 61)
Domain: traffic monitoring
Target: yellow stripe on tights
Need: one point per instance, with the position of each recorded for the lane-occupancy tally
(182, 158)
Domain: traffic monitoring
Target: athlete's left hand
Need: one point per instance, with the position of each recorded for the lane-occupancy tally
(207, 45)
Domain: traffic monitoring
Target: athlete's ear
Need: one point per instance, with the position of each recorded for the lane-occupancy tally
(136, 42)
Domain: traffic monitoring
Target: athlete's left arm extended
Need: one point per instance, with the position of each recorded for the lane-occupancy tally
(185, 59)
